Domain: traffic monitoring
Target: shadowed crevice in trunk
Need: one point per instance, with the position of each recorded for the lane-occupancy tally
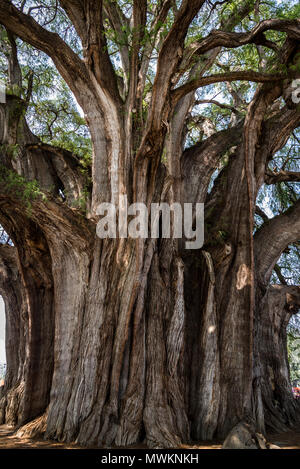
(27, 289)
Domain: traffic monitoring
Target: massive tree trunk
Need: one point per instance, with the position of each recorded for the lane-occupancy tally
(163, 352)
(28, 297)
(272, 386)
(124, 340)
(16, 334)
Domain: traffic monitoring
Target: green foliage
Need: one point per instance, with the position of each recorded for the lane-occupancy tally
(81, 202)
(55, 117)
(26, 191)
(12, 151)
(14, 90)
(287, 9)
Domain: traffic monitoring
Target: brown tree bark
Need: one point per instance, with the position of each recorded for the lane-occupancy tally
(124, 340)
(28, 296)
(15, 312)
(277, 410)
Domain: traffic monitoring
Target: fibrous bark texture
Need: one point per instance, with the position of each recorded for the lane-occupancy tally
(116, 341)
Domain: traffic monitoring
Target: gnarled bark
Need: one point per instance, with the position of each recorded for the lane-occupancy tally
(30, 322)
(16, 324)
(276, 407)
(138, 339)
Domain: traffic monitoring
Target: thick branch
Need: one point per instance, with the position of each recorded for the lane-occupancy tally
(171, 53)
(277, 269)
(56, 170)
(75, 11)
(14, 70)
(255, 36)
(200, 161)
(282, 176)
(24, 26)
(273, 237)
(139, 22)
(150, 45)
(247, 75)
(88, 19)
(285, 296)
(261, 213)
(273, 136)
(119, 22)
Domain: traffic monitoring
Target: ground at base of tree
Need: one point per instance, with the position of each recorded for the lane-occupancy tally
(287, 440)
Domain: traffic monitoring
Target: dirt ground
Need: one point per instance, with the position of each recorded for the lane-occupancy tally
(9, 441)
(289, 440)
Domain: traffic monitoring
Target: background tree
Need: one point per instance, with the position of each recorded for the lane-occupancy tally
(132, 339)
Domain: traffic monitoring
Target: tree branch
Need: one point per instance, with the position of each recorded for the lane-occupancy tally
(274, 135)
(281, 278)
(75, 11)
(281, 176)
(14, 70)
(139, 16)
(255, 36)
(273, 237)
(261, 213)
(217, 103)
(119, 22)
(87, 18)
(277, 269)
(150, 45)
(67, 62)
(200, 161)
(248, 75)
(285, 296)
(171, 52)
